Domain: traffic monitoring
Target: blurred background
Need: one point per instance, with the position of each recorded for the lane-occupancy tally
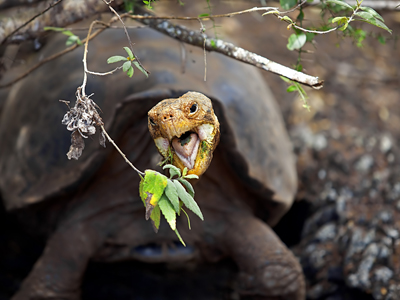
(345, 224)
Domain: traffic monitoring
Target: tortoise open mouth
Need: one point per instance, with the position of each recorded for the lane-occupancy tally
(191, 146)
(186, 148)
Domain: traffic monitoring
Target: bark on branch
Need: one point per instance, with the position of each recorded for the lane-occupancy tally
(195, 38)
(27, 22)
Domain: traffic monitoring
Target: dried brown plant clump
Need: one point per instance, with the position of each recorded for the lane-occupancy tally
(82, 120)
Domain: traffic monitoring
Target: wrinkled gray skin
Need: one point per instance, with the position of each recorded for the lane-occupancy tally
(91, 207)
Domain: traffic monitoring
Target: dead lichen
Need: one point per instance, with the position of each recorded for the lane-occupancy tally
(82, 120)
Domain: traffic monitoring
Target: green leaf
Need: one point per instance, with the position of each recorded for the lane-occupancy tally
(341, 21)
(114, 59)
(338, 2)
(172, 194)
(382, 39)
(372, 12)
(370, 19)
(126, 66)
(168, 211)
(155, 218)
(287, 4)
(275, 12)
(130, 54)
(179, 237)
(68, 33)
(187, 199)
(188, 186)
(300, 17)
(151, 188)
(172, 170)
(191, 176)
(140, 68)
(296, 41)
(72, 40)
(299, 68)
(128, 5)
(359, 36)
(203, 15)
(286, 18)
(310, 36)
(54, 28)
(130, 72)
(291, 89)
(184, 172)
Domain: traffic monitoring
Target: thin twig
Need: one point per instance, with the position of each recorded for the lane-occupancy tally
(314, 31)
(202, 30)
(143, 17)
(57, 55)
(120, 152)
(108, 27)
(30, 20)
(82, 87)
(126, 33)
(183, 58)
(104, 74)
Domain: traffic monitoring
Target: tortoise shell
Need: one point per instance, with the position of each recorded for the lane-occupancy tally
(33, 162)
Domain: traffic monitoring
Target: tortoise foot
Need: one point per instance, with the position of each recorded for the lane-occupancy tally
(273, 281)
(269, 270)
(58, 272)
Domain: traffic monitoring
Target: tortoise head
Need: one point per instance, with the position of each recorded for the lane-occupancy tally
(185, 130)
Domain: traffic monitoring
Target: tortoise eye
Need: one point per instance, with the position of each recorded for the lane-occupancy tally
(193, 108)
(152, 122)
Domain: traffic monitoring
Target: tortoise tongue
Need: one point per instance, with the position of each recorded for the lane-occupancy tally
(186, 149)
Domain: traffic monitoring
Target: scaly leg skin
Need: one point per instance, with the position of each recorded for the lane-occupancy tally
(269, 270)
(58, 272)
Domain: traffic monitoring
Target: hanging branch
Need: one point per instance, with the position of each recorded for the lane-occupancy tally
(14, 26)
(195, 38)
(201, 40)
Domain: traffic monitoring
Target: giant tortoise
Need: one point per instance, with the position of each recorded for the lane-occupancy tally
(90, 207)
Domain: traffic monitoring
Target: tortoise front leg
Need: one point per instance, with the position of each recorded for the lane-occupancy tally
(269, 270)
(58, 272)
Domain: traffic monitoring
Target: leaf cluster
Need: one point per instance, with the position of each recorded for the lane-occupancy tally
(72, 38)
(367, 14)
(301, 36)
(128, 61)
(296, 87)
(168, 195)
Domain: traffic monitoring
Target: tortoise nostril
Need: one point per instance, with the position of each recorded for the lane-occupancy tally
(165, 118)
(170, 116)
